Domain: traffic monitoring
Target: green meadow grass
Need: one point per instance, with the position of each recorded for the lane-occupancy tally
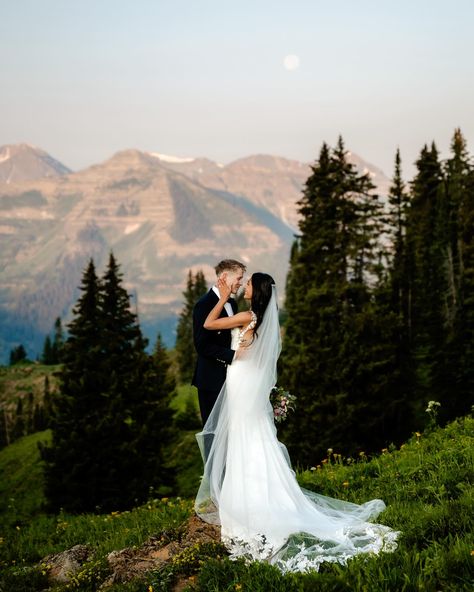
(185, 394)
(427, 486)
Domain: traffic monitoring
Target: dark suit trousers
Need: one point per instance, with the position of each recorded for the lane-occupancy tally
(206, 402)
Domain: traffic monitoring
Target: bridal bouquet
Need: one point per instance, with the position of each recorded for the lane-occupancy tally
(282, 402)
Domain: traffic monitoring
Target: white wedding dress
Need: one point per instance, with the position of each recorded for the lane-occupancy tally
(249, 488)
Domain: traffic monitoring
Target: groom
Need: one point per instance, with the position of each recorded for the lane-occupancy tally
(213, 347)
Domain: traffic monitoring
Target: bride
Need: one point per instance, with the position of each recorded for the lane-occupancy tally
(248, 486)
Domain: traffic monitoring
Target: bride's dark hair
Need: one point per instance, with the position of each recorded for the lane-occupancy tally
(261, 293)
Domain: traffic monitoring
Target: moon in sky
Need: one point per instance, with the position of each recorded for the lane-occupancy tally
(291, 62)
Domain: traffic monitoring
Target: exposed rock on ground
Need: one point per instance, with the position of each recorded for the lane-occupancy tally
(62, 566)
(131, 563)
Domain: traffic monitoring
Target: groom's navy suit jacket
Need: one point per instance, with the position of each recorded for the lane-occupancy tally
(213, 347)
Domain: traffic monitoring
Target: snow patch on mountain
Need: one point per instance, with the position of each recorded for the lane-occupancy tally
(5, 154)
(169, 158)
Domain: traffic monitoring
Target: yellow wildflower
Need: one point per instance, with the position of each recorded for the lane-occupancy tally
(345, 484)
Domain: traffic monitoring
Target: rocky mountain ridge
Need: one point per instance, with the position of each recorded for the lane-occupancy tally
(23, 162)
(160, 215)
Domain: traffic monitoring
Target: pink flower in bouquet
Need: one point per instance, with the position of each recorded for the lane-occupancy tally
(282, 402)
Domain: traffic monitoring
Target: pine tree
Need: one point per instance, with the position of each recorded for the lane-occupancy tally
(29, 413)
(39, 422)
(195, 288)
(72, 471)
(426, 242)
(455, 365)
(46, 409)
(337, 354)
(394, 294)
(289, 294)
(53, 348)
(457, 171)
(111, 421)
(48, 357)
(4, 429)
(398, 201)
(58, 341)
(19, 428)
(17, 354)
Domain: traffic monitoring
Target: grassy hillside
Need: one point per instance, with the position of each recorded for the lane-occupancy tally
(21, 480)
(427, 485)
(21, 379)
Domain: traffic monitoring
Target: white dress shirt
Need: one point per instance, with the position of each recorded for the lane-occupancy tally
(227, 305)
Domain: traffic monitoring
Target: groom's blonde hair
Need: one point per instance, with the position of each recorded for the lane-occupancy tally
(229, 265)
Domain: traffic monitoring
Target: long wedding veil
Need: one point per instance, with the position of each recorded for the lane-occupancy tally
(257, 366)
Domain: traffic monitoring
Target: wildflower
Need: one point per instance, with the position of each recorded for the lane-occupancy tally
(417, 434)
(345, 484)
(324, 461)
(472, 553)
(432, 406)
(330, 451)
(384, 450)
(311, 469)
(150, 588)
(17, 527)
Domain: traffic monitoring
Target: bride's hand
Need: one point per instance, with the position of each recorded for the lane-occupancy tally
(224, 289)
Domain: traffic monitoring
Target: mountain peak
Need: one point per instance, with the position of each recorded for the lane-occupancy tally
(24, 162)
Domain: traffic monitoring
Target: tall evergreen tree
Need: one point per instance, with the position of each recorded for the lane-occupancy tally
(456, 373)
(58, 340)
(17, 354)
(4, 429)
(39, 421)
(395, 294)
(336, 350)
(46, 409)
(195, 288)
(426, 242)
(72, 471)
(47, 356)
(19, 427)
(457, 171)
(111, 422)
(399, 202)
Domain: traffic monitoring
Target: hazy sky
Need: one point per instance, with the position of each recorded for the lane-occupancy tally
(87, 78)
